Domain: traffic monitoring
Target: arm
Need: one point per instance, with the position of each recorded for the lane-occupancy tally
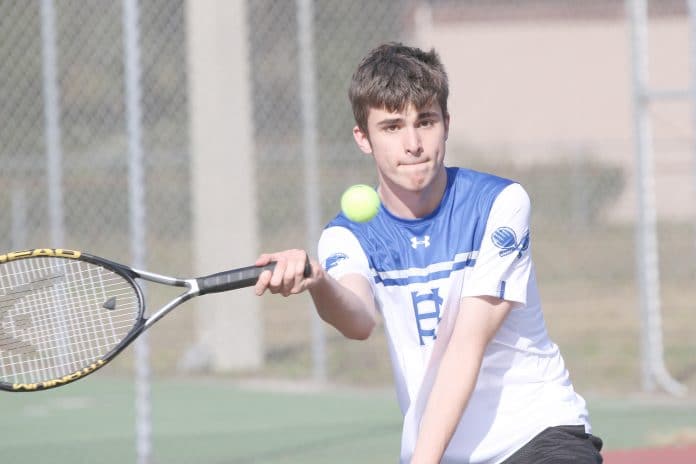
(478, 320)
(480, 316)
(347, 303)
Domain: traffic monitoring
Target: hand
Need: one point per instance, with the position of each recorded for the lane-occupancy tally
(288, 276)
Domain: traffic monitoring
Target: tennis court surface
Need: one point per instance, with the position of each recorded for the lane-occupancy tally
(660, 455)
(212, 421)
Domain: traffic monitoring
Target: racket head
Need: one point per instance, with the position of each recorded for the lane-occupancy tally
(63, 315)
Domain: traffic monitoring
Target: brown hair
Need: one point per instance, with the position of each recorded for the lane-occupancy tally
(392, 76)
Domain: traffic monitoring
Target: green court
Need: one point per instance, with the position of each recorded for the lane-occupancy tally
(210, 421)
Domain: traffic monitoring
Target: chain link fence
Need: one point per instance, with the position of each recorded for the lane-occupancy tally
(581, 183)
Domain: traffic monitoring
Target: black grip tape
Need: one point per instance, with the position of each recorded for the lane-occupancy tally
(238, 278)
(231, 280)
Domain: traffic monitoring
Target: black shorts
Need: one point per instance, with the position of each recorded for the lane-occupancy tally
(559, 445)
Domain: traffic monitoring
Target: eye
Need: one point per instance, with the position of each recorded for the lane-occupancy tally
(426, 123)
(391, 128)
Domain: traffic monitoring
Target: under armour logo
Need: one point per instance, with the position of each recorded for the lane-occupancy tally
(415, 243)
(506, 239)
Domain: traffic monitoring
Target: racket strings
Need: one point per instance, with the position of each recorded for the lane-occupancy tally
(54, 320)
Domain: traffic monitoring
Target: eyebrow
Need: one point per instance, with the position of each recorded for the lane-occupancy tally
(428, 114)
(392, 121)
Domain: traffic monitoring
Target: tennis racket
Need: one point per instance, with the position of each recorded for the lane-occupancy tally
(64, 313)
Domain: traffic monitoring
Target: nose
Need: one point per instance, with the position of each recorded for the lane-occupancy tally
(412, 142)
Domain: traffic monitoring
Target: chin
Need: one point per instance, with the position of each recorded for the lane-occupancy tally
(422, 179)
(418, 185)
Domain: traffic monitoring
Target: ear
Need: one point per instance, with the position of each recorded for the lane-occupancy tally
(362, 140)
(447, 123)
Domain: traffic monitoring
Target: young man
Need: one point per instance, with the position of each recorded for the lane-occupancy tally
(446, 262)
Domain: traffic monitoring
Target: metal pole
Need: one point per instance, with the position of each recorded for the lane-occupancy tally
(654, 372)
(54, 152)
(136, 197)
(692, 49)
(308, 99)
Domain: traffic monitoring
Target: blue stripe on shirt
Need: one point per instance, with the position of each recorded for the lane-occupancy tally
(469, 262)
(501, 294)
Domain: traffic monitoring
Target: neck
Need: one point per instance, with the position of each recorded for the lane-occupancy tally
(409, 204)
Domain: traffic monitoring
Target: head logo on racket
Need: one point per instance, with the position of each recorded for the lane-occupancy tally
(15, 313)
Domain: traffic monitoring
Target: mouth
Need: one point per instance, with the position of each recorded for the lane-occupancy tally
(416, 163)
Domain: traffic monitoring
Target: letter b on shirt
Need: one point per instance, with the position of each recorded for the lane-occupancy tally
(426, 307)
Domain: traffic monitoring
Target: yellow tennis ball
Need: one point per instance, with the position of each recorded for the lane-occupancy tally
(360, 203)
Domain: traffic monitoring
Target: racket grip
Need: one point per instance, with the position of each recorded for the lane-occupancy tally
(238, 278)
(231, 280)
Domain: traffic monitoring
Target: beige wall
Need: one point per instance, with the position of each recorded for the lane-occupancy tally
(554, 88)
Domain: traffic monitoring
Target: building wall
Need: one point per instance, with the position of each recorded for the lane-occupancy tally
(539, 90)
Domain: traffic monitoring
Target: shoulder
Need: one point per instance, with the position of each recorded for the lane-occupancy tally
(476, 184)
(478, 189)
(340, 220)
(337, 244)
(364, 232)
(337, 236)
(479, 179)
(511, 211)
(514, 194)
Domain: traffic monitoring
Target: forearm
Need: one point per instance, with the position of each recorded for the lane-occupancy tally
(347, 305)
(453, 386)
(478, 320)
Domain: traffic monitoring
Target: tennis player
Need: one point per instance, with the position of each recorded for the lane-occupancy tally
(446, 263)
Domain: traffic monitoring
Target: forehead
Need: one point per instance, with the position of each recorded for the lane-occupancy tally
(409, 112)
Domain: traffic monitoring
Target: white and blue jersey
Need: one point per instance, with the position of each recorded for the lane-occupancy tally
(476, 243)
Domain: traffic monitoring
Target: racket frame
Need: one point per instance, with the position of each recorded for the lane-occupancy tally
(214, 283)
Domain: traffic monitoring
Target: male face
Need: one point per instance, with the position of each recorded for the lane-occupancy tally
(408, 146)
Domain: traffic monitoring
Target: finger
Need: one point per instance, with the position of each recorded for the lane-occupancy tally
(290, 278)
(300, 274)
(278, 276)
(300, 267)
(264, 259)
(262, 282)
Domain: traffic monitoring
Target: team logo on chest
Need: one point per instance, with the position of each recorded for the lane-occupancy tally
(423, 241)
